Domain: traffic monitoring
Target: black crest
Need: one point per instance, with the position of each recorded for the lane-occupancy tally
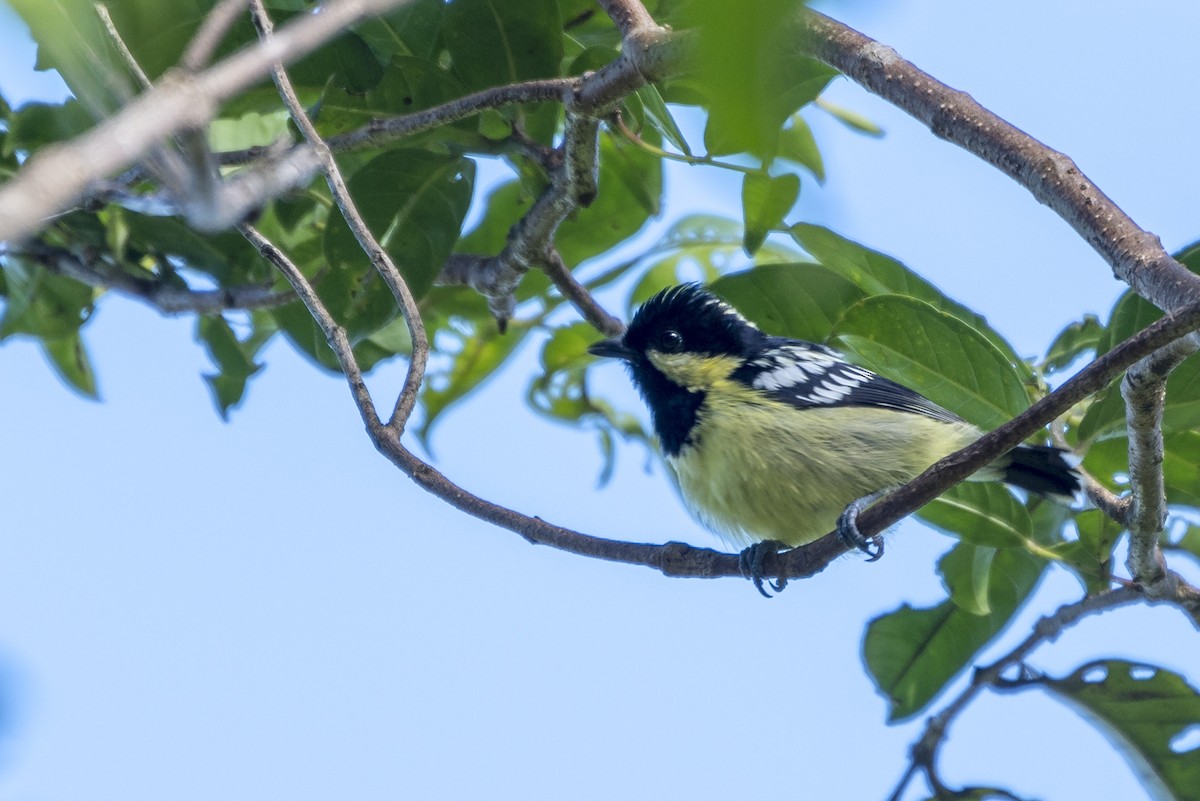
(689, 318)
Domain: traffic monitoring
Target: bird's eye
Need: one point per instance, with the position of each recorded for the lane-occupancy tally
(670, 341)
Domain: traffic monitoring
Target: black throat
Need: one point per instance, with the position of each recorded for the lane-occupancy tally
(674, 410)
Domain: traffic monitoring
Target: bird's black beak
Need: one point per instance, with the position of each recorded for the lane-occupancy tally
(612, 349)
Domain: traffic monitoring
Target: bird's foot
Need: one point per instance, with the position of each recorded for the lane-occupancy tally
(847, 529)
(750, 563)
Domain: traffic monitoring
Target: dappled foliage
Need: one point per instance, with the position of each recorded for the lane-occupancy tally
(417, 192)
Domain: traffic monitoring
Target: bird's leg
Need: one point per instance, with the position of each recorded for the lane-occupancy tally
(750, 563)
(847, 527)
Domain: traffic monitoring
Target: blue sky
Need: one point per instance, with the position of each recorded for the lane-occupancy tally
(191, 609)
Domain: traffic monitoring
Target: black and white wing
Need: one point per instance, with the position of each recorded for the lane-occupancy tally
(809, 375)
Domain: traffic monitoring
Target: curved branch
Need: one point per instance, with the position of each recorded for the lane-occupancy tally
(1135, 255)
(407, 399)
(57, 177)
(924, 751)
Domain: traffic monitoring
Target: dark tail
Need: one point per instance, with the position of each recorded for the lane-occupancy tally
(1042, 469)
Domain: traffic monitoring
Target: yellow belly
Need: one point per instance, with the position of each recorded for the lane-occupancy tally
(759, 473)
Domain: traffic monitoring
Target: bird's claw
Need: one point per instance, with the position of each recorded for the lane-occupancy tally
(847, 529)
(750, 563)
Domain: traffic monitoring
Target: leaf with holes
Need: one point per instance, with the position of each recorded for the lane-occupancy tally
(1149, 714)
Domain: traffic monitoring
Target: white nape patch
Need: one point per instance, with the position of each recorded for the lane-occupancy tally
(727, 310)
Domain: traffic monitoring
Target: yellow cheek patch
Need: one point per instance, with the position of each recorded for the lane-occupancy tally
(692, 370)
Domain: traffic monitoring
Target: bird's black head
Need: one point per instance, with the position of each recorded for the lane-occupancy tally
(678, 345)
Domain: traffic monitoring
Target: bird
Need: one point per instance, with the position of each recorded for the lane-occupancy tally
(773, 442)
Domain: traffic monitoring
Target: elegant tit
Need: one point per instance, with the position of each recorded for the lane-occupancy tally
(773, 439)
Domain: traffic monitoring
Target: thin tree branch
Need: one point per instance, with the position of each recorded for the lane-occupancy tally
(55, 178)
(126, 55)
(1135, 255)
(385, 130)
(212, 30)
(580, 297)
(335, 334)
(629, 16)
(924, 752)
(407, 399)
(167, 299)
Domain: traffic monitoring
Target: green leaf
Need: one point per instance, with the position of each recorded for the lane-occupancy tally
(1145, 712)
(940, 356)
(1090, 555)
(766, 200)
(70, 360)
(34, 125)
(408, 84)
(414, 202)
(796, 144)
(233, 359)
(1190, 541)
(801, 301)
(912, 654)
(981, 514)
(851, 119)
(411, 30)
(1080, 337)
(878, 274)
(965, 570)
(752, 78)
(476, 351)
(43, 304)
(494, 42)
(72, 40)
(658, 114)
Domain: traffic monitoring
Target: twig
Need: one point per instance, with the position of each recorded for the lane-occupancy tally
(628, 15)
(407, 399)
(126, 55)
(335, 334)
(1136, 256)
(167, 299)
(208, 38)
(924, 751)
(55, 178)
(580, 297)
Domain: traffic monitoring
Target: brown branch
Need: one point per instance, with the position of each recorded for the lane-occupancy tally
(580, 297)
(335, 334)
(958, 466)
(407, 399)
(1144, 390)
(1135, 255)
(924, 752)
(167, 299)
(54, 179)
(212, 30)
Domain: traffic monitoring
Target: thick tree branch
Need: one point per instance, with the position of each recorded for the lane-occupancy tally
(1136, 256)
(1144, 390)
(56, 178)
